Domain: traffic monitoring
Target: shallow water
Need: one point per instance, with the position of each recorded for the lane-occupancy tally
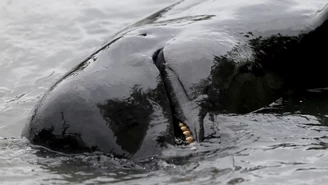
(41, 40)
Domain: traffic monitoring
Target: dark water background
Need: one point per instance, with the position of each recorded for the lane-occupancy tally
(40, 40)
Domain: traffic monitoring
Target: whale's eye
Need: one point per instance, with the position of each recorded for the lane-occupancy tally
(143, 34)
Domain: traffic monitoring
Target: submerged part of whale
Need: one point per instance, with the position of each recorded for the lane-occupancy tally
(185, 63)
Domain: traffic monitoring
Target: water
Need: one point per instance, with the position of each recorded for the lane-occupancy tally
(40, 40)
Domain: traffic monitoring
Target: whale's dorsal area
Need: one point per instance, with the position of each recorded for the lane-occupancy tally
(185, 63)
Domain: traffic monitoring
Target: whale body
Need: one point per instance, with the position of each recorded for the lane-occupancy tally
(186, 63)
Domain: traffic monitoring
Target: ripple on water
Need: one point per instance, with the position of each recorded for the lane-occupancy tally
(271, 150)
(253, 149)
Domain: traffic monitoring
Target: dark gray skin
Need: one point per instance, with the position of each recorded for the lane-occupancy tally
(232, 57)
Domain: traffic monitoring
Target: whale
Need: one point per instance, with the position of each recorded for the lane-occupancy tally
(165, 78)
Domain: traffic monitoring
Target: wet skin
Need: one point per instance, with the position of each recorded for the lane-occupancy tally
(180, 66)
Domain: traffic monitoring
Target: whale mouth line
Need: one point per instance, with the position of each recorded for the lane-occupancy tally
(181, 129)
